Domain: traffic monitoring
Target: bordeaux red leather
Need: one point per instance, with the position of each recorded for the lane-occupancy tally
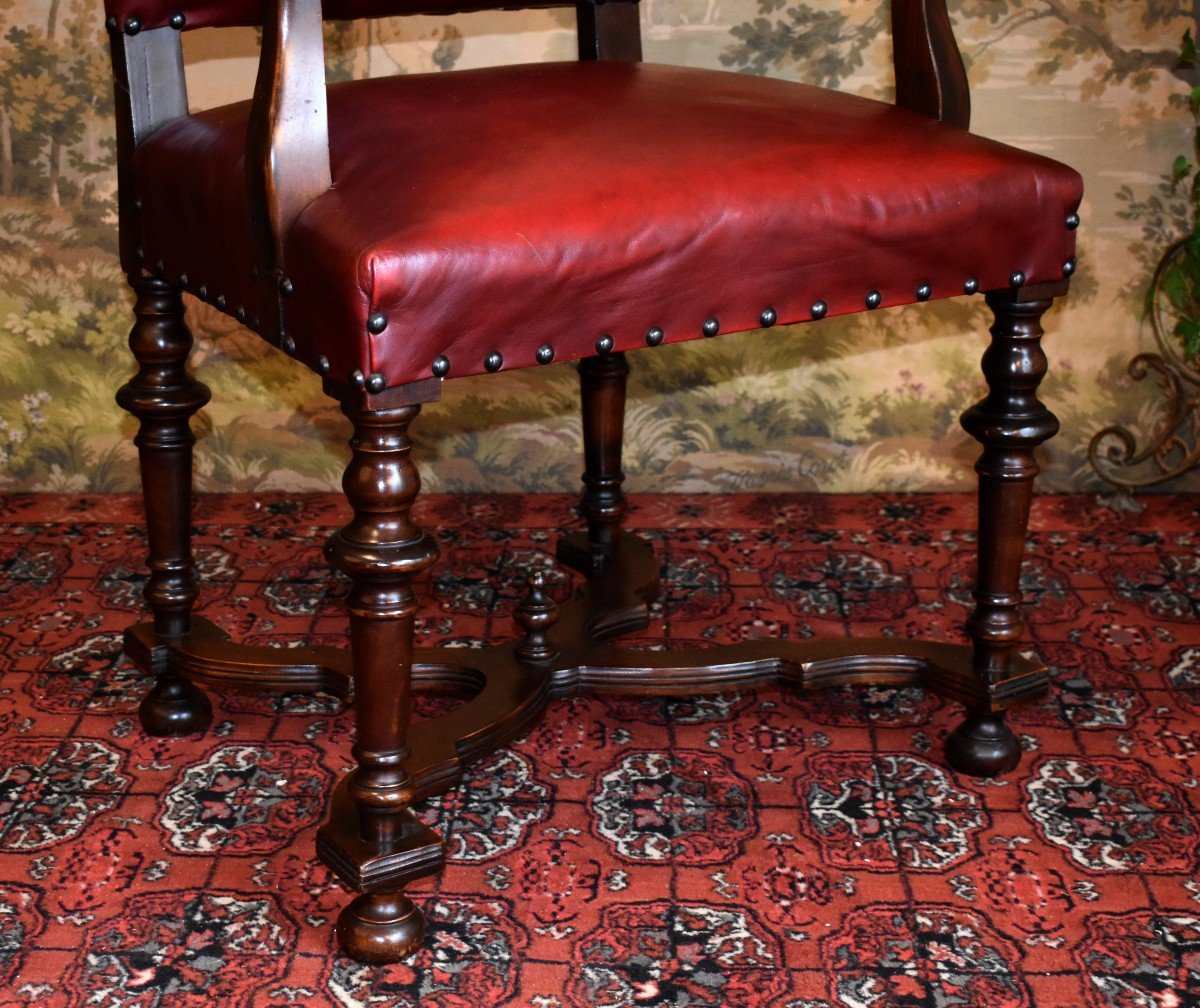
(507, 209)
(229, 13)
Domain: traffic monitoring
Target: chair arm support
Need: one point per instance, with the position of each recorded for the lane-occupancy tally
(287, 141)
(930, 76)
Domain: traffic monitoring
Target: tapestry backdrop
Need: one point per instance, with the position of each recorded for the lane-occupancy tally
(841, 405)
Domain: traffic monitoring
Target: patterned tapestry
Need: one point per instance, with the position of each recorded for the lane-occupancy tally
(840, 405)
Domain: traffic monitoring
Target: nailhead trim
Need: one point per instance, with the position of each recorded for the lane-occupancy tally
(711, 327)
(441, 367)
(219, 301)
(323, 364)
(819, 310)
(285, 287)
(1069, 267)
(241, 314)
(768, 318)
(132, 26)
(356, 378)
(655, 336)
(376, 382)
(177, 20)
(1073, 221)
(289, 346)
(924, 292)
(493, 362)
(545, 353)
(376, 323)
(874, 300)
(971, 286)
(1017, 279)
(604, 345)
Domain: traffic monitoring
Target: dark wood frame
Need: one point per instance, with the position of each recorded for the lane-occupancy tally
(372, 841)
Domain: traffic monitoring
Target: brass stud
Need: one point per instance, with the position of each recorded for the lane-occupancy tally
(289, 346)
(493, 362)
(924, 292)
(874, 300)
(182, 279)
(177, 20)
(971, 286)
(323, 364)
(604, 345)
(220, 302)
(711, 327)
(376, 323)
(1069, 267)
(202, 292)
(132, 26)
(441, 367)
(110, 23)
(545, 353)
(376, 382)
(768, 318)
(1073, 221)
(819, 310)
(1017, 279)
(285, 287)
(655, 336)
(357, 379)
(241, 314)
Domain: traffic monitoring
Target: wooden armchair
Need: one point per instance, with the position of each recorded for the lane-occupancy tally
(394, 233)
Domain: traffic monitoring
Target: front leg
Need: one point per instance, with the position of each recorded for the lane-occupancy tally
(1010, 422)
(373, 840)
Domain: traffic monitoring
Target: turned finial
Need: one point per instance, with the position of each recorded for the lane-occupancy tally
(535, 615)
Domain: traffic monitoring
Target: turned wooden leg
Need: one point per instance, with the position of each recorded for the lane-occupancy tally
(381, 550)
(163, 396)
(602, 390)
(1010, 422)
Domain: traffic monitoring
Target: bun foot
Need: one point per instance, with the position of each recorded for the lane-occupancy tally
(983, 746)
(174, 707)
(381, 928)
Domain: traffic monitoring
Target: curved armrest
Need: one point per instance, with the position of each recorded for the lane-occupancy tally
(287, 141)
(930, 76)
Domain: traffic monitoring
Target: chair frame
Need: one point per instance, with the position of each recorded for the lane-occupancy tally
(373, 842)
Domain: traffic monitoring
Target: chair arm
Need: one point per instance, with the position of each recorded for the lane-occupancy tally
(287, 140)
(930, 76)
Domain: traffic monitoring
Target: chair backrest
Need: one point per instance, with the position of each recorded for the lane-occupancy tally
(139, 15)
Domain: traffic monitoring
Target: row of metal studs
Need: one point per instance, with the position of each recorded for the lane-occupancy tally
(286, 343)
(377, 323)
(133, 24)
(712, 327)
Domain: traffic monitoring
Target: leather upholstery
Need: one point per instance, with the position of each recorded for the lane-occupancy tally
(509, 208)
(228, 13)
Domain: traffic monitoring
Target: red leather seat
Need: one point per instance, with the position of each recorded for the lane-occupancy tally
(496, 213)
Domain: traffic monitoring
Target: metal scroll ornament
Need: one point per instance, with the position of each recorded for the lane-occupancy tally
(1173, 446)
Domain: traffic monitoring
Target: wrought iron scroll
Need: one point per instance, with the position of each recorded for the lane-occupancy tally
(1173, 445)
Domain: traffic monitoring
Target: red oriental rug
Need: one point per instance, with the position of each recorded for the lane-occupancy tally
(768, 849)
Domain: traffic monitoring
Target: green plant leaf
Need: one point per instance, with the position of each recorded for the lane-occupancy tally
(1188, 332)
(1187, 51)
(1180, 170)
(1174, 286)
